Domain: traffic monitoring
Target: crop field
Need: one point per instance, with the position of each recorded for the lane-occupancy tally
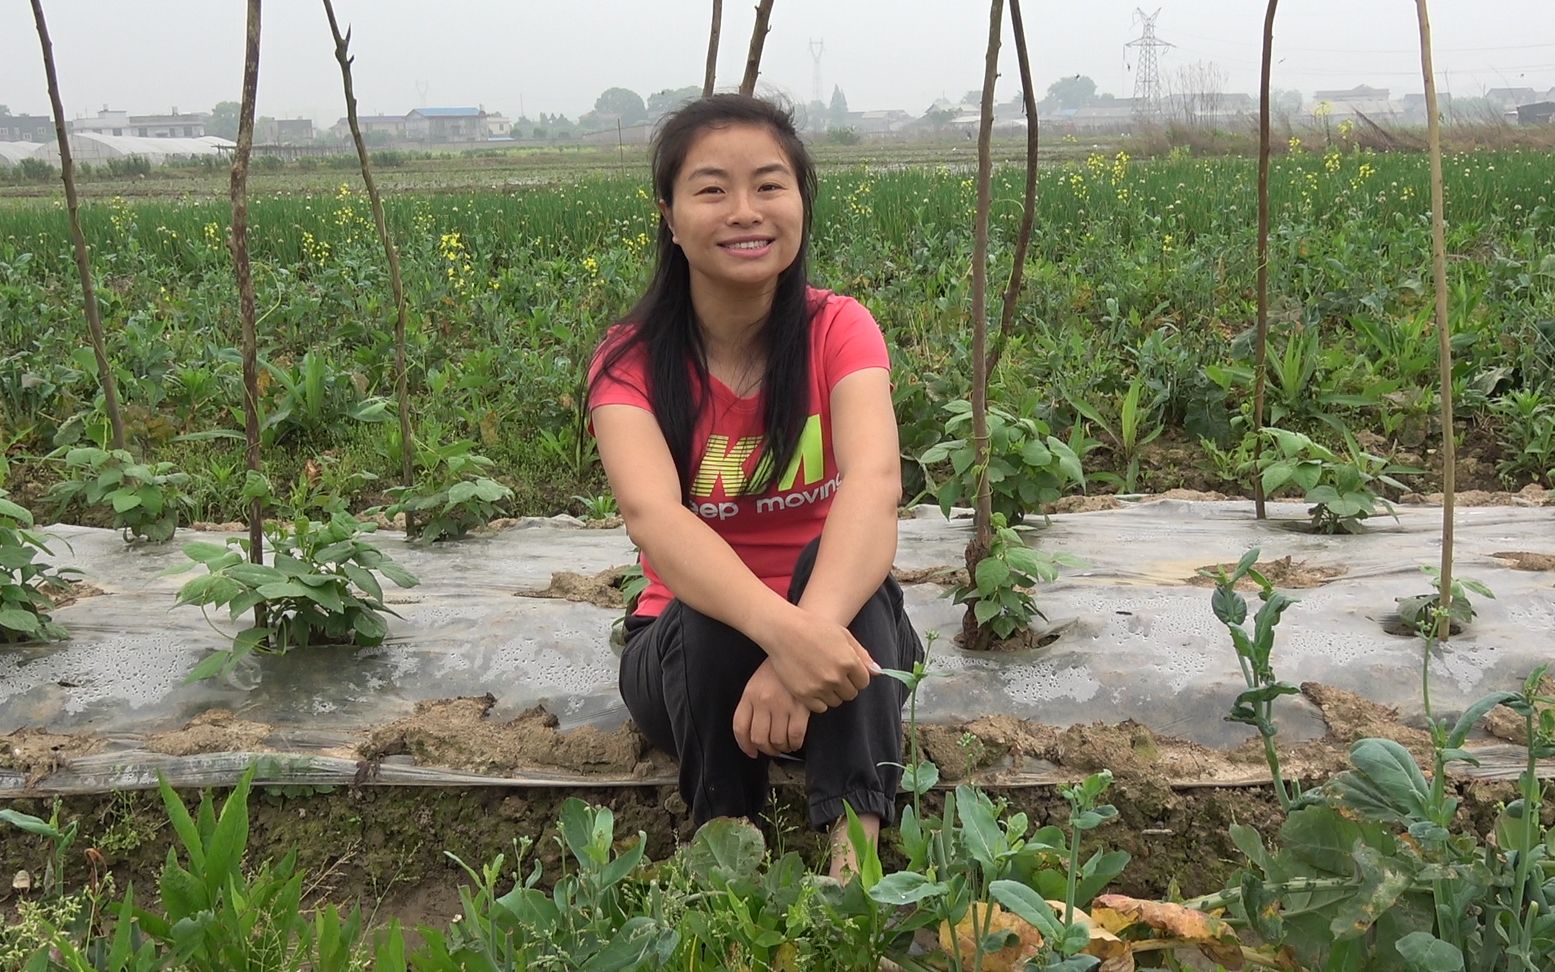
(1129, 369)
(1140, 271)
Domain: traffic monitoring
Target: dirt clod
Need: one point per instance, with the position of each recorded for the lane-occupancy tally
(942, 574)
(456, 734)
(1083, 504)
(1525, 560)
(601, 589)
(1284, 572)
(1531, 495)
(1351, 716)
(212, 731)
(76, 591)
(38, 752)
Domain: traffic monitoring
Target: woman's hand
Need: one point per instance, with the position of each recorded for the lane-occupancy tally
(818, 661)
(769, 719)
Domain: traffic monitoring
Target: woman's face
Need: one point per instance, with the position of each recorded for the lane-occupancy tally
(737, 212)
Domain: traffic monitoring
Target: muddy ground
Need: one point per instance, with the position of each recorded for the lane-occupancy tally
(383, 847)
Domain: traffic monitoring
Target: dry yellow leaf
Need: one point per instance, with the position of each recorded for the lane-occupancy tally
(1115, 912)
(963, 940)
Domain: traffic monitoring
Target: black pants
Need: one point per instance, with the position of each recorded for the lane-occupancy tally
(682, 676)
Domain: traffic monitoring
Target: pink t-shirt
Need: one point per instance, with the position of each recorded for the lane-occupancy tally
(769, 529)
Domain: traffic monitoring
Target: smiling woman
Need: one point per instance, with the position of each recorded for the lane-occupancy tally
(745, 421)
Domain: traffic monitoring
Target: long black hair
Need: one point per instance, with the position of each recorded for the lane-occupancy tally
(663, 326)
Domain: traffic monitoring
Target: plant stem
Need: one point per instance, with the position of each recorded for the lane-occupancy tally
(1443, 324)
(238, 242)
(984, 517)
(1073, 880)
(1261, 344)
(94, 323)
(1220, 899)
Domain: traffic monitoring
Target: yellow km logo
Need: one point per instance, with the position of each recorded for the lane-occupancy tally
(724, 464)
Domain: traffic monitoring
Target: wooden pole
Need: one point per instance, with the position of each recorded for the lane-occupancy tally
(238, 242)
(1029, 212)
(94, 323)
(980, 282)
(758, 38)
(1261, 345)
(712, 48)
(976, 637)
(391, 252)
(1443, 323)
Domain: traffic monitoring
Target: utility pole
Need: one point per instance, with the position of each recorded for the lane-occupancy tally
(1147, 69)
(816, 48)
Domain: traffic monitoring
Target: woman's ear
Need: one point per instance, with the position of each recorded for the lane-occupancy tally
(664, 214)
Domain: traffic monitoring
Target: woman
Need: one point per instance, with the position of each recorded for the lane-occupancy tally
(744, 420)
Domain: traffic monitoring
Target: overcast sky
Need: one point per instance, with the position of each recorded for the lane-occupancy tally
(147, 56)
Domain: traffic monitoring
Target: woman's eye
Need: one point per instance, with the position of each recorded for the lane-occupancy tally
(705, 190)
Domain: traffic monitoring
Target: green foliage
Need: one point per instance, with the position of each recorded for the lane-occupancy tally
(453, 494)
(24, 605)
(1420, 611)
(1340, 489)
(145, 497)
(598, 508)
(321, 589)
(1371, 865)
(1027, 465)
(1255, 706)
(1527, 435)
(1134, 425)
(1000, 593)
(60, 837)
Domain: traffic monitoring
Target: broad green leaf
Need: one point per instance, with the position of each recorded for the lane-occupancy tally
(992, 573)
(906, 887)
(985, 841)
(1424, 952)
(18, 620)
(123, 501)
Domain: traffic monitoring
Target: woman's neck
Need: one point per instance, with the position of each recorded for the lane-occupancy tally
(731, 323)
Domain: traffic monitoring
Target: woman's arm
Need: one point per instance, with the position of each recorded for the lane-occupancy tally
(820, 664)
(858, 542)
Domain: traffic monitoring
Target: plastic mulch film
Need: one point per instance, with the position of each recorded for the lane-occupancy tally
(1135, 641)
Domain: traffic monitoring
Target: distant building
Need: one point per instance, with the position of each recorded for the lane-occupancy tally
(389, 126)
(107, 122)
(498, 125)
(879, 122)
(283, 131)
(1510, 98)
(122, 123)
(1537, 113)
(446, 125)
(1361, 92)
(26, 128)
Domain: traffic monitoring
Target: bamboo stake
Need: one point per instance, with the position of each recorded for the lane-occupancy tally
(984, 517)
(401, 392)
(1029, 212)
(758, 38)
(238, 242)
(94, 323)
(1261, 346)
(1443, 324)
(712, 47)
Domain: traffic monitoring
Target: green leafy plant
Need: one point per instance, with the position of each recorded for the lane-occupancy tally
(24, 605)
(1341, 489)
(1027, 465)
(1527, 435)
(1135, 426)
(321, 588)
(1002, 604)
(1255, 706)
(453, 495)
(1418, 611)
(601, 507)
(145, 497)
(60, 837)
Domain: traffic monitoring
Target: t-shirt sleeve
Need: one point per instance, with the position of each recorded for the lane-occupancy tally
(853, 342)
(624, 384)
